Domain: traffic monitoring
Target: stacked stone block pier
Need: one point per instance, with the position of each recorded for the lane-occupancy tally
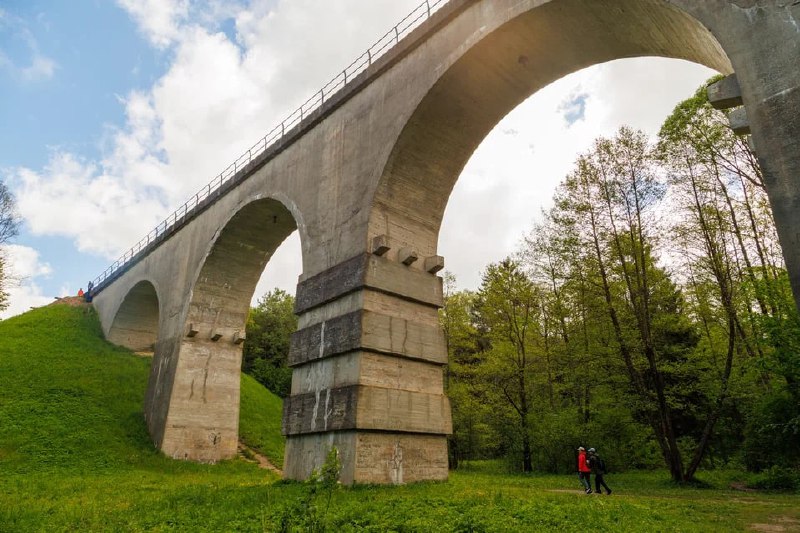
(368, 372)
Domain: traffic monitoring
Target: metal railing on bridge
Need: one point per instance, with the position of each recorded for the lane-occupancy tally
(411, 22)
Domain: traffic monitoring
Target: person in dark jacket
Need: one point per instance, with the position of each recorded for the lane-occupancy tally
(598, 468)
(584, 471)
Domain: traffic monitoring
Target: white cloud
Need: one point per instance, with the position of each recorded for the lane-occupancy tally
(23, 268)
(216, 93)
(40, 67)
(159, 20)
(505, 185)
(74, 198)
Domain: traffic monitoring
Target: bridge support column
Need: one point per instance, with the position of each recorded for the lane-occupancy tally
(368, 374)
(192, 402)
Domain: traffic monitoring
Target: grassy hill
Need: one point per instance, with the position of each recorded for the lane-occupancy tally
(69, 398)
(75, 456)
(71, 409)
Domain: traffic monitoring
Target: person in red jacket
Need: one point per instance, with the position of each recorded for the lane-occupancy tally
(584, 472)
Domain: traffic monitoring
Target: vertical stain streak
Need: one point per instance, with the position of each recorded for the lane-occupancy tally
(314, 411)
(322, 341)
(405, 336)
(205, 377)
(327, 401)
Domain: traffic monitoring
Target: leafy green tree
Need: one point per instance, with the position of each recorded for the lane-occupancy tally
(510, 304)
(266, 349)
(648, 314)
(472, 437)
(736, 277)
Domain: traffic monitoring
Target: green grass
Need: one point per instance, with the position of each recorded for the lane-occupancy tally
(75, 456)
(260, 420)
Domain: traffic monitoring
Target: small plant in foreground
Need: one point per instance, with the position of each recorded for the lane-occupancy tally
(307, 513)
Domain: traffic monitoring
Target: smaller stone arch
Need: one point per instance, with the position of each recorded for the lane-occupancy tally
(136, 323)
(192, 403)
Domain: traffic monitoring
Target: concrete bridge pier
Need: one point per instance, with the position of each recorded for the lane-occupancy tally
(368, 372)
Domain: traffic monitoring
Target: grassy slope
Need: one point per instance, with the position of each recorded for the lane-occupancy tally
(75, 456)
(69, 396)
(260, 420)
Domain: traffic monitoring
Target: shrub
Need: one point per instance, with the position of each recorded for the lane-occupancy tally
(778, 478)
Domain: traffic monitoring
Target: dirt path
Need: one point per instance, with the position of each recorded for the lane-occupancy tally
(781, 523)
(249, 454)
(71, 301)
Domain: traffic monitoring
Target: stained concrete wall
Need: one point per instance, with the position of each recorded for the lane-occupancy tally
(136, 323)
(366, 181)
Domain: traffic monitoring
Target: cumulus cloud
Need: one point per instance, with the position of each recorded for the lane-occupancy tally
(159, 20)
(23, 267)
(75, 198)
(219, 95)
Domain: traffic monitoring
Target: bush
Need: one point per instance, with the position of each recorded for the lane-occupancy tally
(778, 478)
(277, 379)
(773, 433)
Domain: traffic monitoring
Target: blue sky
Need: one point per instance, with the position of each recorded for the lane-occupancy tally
(103, 105)
(64, 67)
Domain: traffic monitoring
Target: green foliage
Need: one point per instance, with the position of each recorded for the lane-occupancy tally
(266, 349)
(778, 478)
(588, 337)
(773, 433)
(309, 512)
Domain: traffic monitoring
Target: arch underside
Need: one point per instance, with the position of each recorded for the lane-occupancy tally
(535, 48)
(136, 323)
(224, 288)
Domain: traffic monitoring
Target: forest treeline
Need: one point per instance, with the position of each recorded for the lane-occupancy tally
(648, 314)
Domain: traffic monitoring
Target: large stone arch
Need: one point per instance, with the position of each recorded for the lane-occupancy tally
(192, 403)
(520, 48)
(136, 321)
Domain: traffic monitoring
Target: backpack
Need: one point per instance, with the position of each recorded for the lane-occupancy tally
(601, 465)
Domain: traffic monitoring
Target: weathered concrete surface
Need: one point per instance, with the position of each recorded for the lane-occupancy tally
(135, 325)
(366, 181)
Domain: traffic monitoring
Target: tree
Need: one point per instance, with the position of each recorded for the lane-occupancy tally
(9, 228)
(266, 349)
(509, 304)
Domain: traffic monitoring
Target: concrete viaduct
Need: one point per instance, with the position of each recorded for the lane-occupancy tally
(365, 178)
